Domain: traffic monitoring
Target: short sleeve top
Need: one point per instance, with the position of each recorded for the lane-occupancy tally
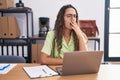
(48, 46)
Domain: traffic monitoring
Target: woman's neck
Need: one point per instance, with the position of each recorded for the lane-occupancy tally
(67, 36)
(67, 33)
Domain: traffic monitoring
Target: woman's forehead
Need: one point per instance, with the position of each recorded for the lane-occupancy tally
(70, 11)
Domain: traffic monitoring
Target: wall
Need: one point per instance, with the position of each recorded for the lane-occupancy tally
(87, 9)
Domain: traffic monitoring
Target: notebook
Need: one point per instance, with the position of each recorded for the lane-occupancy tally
(80, 62)
(39, 71)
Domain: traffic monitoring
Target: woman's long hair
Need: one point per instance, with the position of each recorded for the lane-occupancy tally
(59, 26)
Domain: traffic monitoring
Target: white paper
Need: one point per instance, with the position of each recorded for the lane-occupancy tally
(10, 50)
(25, 51)
(39, 71)
(6, 70)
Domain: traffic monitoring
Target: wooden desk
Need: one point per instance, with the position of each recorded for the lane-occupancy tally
(106, 72)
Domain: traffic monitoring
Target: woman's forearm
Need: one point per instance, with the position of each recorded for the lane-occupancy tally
(83, 42)
(83, 46)
(44, 59)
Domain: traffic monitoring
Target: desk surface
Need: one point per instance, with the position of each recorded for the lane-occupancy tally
(106, 72)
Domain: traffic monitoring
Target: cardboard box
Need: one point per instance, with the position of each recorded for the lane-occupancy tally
(5, 4)
(0, 28)
(36, 50)
(4, 27)
(9, 27)
(40, 46)
(13, 28)
(34, 53)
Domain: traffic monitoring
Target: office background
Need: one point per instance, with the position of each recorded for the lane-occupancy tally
(87, 9)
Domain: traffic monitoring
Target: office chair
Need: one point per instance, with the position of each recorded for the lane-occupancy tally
(12, 59)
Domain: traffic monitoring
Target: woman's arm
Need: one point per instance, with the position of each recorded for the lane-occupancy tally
(83, 40)
(45, 59)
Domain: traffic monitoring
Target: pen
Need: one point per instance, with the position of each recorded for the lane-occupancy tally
(44, 71)
(4, 67)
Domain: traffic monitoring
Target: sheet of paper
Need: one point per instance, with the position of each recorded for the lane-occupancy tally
(5, 68)
(39, 71)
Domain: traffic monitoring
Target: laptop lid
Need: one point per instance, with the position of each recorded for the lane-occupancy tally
(81, 62)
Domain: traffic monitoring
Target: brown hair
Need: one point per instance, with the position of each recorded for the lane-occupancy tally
(59, 26)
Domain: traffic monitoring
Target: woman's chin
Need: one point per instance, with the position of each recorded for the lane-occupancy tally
(70, 28)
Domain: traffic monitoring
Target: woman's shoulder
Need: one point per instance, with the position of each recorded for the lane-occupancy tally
(51, 32)
(50, 36)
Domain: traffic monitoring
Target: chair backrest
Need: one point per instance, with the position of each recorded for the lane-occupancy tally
(12, 59)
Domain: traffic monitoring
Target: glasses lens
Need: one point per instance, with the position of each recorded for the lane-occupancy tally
(71, 15)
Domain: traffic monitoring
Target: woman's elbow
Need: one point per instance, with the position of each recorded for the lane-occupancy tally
(43, 58)
(43, 61)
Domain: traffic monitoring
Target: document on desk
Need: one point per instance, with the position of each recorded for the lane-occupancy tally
(39, 71)
(5, 68)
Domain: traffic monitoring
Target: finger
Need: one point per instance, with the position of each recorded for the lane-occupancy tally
(73, 23)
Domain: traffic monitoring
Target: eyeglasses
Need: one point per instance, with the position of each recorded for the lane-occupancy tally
(71, 15)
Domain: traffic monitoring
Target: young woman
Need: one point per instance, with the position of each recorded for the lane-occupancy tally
(65, 37)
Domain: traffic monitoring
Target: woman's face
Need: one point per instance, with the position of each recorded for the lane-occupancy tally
(69, 16)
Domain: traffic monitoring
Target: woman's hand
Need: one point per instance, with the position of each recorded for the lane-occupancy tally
(76, 28)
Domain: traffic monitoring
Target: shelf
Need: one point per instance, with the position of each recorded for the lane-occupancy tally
(18, 46)
(14, 41)
(25, 10)
(97, 40)
(16, 10)
(37, 40)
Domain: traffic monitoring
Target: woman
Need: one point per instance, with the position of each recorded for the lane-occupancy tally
(65, 37)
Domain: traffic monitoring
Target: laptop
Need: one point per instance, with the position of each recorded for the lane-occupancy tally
(80, 62)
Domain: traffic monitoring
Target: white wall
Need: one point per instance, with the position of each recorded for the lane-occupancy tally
(87, 9)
